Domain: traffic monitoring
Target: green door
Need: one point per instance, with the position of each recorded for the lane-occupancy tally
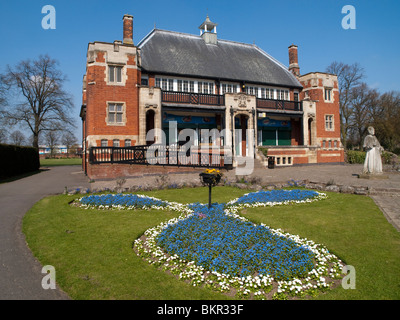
(269, 137)
(284, 137)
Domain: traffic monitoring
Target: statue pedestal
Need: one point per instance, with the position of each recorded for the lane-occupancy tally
(372, 176)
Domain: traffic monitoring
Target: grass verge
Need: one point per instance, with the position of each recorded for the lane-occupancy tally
(60, 162)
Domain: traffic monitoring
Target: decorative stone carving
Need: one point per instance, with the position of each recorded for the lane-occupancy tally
(242, 100)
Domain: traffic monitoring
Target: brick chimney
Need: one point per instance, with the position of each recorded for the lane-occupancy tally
(293, 60)
(128, 29)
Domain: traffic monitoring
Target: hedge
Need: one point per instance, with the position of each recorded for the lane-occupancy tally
(15, 160)
(359, 157)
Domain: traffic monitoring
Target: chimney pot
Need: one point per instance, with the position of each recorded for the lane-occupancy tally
(128, 29)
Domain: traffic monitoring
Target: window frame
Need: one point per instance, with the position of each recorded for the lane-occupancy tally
(329, 122)
(117, 112)
(113, 75)
(328, 94)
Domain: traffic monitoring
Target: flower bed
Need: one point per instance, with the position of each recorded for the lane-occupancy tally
(226, 252)
(128, 202)
(274, 198)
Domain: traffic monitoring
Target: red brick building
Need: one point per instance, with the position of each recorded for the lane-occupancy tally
(244, 98)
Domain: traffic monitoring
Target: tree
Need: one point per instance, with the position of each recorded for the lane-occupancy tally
(3, 135)
(17, 138)
(362, 100)
(68, 139)
(349, 76)
(386, 120)
(41, 103)
(51, 139)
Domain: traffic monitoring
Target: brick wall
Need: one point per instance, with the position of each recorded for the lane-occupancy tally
(114, 171)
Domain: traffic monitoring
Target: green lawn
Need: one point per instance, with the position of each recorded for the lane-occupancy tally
(91, 250)
(60, 162)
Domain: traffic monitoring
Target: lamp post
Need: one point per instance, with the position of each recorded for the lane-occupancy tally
(211, 178)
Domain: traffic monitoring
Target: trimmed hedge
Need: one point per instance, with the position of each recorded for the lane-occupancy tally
(15, 160)
(359, 157)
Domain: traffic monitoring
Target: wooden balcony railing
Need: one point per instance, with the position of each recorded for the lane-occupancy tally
(193, 98)
(279, 104)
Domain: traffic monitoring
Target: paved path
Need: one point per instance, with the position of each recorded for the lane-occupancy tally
(20, 272)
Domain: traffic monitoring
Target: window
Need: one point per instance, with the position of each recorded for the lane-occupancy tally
(180, 85)
(115, 113)
(228, 88)
(127, 142)
(328, 94)
(282, 94)
(191, 86)
(270, 94)
(145, 82)
(211, 87)
(200, 87)
(115, 143)
(158, 82)
(170, 85)
(329, 122)
(104, 142)
(115, 74)
(185, 86)
(263, 93)
(296, 96)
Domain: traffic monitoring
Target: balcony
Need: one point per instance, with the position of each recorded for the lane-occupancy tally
(279, 105)
(219, 100)
(193, 98)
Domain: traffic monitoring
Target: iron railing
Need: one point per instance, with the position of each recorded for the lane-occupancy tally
(158, 154)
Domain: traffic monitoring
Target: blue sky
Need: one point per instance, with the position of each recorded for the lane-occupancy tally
(314, 25)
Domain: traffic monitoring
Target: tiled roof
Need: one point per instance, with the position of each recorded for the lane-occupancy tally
(167, 52)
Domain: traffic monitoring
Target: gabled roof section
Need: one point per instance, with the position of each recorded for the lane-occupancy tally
(167, 52)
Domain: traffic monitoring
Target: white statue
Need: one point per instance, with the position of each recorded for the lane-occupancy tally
(373, 161)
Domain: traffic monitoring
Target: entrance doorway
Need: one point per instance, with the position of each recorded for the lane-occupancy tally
(241, 143)
(150, 115)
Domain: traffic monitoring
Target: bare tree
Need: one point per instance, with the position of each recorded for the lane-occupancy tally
(362, 100)
(68, 139)
(17, 138)
(349, 76)
(386, 120)
(3, 135)
(52, 138)
(41, 103)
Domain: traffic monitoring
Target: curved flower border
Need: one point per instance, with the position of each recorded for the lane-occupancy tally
(326, 270)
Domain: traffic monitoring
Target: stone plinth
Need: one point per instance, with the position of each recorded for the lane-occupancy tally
(371, 176)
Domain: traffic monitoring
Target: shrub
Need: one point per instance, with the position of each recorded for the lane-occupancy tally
(355, 156)
(15, 160)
